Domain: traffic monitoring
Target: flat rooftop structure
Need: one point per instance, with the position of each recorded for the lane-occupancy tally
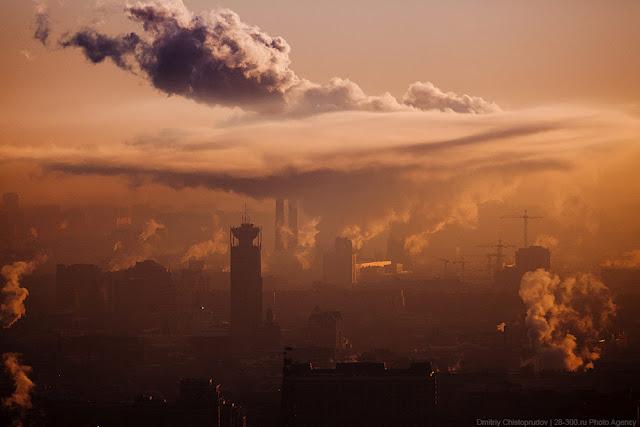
(358, 394)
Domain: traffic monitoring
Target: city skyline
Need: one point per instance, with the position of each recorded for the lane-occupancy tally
(302, 213)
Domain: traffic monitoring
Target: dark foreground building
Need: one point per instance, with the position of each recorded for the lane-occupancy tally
(246, 285)
(357, 394)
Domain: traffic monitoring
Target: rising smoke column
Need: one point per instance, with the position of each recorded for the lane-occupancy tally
(21, 397)
(630, 259)
(127, 255)
(150, 229)
(217, 59)
(217, 244)
(565, 319)
(12, 294)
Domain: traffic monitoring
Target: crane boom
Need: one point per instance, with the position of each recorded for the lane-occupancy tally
(526, 217)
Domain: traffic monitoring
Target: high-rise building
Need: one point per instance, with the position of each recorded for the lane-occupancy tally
(246, 284)
(324, 329)
(339, 266)
(345, 262)
(532, 258)
(286, 228)
(293, 224)
(279, 237)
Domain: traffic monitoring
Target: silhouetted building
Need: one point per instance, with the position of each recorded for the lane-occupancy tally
(246, 284)
(279, 225)
(143, 297)
(286, 229)
(532, 258)
(324, 329)
(527, 259)
(357, 394)
(270, 335)
(397, 253)
(293, 224)
(81, 291)
(340, 265)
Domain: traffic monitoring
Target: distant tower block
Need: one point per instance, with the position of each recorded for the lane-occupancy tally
(246, 283)
(279, 225)
(293, 224)
(344, 262)
(532, 258)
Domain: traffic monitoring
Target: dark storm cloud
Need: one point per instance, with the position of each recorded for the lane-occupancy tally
(182, 140)
(218, 59)
(98, 47)
(475, 139)
(289, 182)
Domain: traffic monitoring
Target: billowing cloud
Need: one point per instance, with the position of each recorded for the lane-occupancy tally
(218, 59)
(547, 241)
(338, 95)
(21, 396)
(426, 96)
(566, 319)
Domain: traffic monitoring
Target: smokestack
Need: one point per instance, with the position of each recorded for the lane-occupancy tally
(279, 224)
(293, 224)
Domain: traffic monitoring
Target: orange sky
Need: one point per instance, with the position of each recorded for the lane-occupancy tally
(565, 72)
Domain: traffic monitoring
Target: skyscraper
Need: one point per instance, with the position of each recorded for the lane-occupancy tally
(246, 284)
(293, 224)
(279, 225)
(286, 229)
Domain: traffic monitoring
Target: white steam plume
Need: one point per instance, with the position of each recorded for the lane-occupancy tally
(13, 295)
(217, 244)
(566, 319)
(151, 228)
(21, 397)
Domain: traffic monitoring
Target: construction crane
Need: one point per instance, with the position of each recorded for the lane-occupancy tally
(525, 218)
(499, 254)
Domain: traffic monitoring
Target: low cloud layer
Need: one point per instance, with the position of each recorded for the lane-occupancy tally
(218, 59)
(566, 319)
(424, 174)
